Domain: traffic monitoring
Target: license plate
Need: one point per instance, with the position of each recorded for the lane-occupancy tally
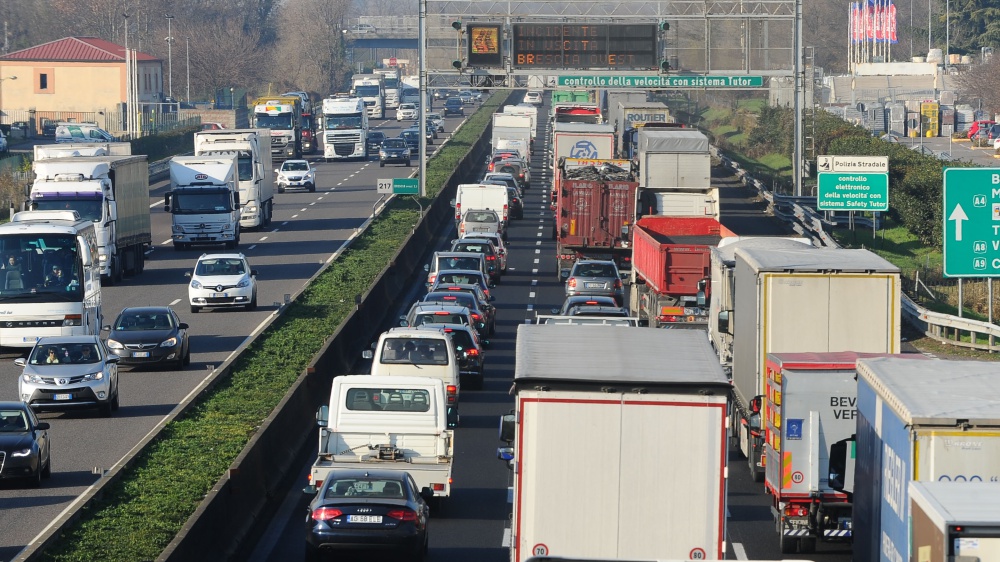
(594, 285)
(62, 396)
(29, 339)
(220, 295)
(140, 354)
(364, 518)
(482, 229)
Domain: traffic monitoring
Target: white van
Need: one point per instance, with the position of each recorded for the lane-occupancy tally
(81, 132)
(411, 352)
(483, 196)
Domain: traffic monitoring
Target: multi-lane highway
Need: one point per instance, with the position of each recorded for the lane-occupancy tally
(307, 228)
(475, 521)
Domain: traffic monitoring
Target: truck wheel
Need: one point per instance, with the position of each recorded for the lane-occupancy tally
(118, 267)
(755, 473)
(807, 545)
(788, 545)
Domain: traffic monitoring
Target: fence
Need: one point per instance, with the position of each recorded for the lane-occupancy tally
(154, 118)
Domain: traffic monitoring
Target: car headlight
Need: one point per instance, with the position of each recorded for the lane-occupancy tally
(32, 379)
(382, 153)
(102, 257)
(170, 342)
(21, 453)
(195, 284)
(114, 344)
(245, 282)
(99, 375)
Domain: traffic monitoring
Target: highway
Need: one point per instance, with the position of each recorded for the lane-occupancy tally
(306, 230)
(475, 520)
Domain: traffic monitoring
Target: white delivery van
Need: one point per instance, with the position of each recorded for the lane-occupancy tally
(483, 196)
(81, 132)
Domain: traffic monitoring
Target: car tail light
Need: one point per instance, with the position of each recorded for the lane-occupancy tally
(431, 278)
(476, 316)
(449, 298)
(591, 302)
(441, 313)
(571, 283)
(452, 391)
(472, 352)
(491, 258)
(403, 514)
(326, 514)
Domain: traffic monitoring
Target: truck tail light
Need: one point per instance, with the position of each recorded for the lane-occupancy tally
(326, 514)
(403, 514)
(437, 487)
(458, 211)
(73, 320)
(792, 510)
(452, 391)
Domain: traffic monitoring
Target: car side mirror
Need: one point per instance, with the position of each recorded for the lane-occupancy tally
(842, 465)
(253, 272)
(183, 326)
(426, 493)
(322, 415)
(506, 454)
(310, 490)
(106, 328)
(367, 354)
(20, 362)
(507, 428)
(427, 268)
(42, 426)
(276, 170)
(112, 358)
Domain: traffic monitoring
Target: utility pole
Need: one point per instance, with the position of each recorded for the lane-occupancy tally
(187, 65)
(797, 52)
(170, 60)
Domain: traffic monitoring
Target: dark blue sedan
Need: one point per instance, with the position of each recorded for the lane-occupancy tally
(367, 510)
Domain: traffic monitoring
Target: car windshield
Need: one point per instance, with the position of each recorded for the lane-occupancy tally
(461, 278)
(13, 421)
(220, 266)
(594, 270)
(64, 354)
(388, 399)
(136, 322)
(461, 339)
(366, 488)
(417, 351)
(394, 143)
(474, 248)
(458, 263)
(480, 216)
(295, 166)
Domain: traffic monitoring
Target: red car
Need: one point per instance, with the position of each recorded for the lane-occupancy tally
(980, 128)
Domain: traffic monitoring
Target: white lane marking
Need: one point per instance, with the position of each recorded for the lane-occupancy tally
(531, 295)
(741, 553)
(167, 241)
(303, 209)
(293, 216)
(175, 302)
(534, 282)
(539, 234)
(313, 203)
(535, 271)
(541, 221)
(539, 243)
(320, 198)
(252, 247)
(155, 204)
(505, 542)
(275, 230)
(537, 252)
(531, 307)
(286, 222)
(264, 238)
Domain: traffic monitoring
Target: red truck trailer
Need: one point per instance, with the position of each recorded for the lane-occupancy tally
(594, 214)
(671, 267)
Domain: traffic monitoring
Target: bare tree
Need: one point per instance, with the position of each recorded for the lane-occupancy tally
(311, 45)
(224, 53)
(983, 82)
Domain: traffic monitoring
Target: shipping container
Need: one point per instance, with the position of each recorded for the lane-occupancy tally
(955, 521)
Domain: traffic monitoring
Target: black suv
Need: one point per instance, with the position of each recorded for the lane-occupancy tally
(375, 139)
(453, 106)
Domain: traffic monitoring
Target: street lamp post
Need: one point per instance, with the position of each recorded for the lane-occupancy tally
(187, 65)
(170, 60)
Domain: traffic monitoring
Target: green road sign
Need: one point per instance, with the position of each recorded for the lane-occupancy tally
(656, 81)
(399, 186)
(852, 191)
(971, 222)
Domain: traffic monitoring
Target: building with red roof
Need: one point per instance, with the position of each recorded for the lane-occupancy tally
(84, 75)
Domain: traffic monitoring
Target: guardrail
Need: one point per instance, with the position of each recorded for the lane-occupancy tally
(807, 222)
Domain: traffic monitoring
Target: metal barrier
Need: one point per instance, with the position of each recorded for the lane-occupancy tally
(807, 222)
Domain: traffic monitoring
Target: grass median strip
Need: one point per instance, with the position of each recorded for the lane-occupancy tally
(142, 512)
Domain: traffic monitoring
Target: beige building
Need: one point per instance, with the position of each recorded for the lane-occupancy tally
(74, 79)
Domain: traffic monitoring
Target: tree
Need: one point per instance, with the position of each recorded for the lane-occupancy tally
(982, 81)
(311, 45)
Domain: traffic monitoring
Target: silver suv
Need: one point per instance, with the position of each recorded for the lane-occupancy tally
(69, 372)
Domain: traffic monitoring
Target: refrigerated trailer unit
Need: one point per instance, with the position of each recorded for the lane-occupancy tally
(955, 521)
(627, 424)
(918, 421)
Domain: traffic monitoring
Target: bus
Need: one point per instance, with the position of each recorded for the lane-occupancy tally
(51, 277)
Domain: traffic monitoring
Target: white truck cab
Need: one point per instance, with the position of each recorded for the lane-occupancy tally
(389, 423)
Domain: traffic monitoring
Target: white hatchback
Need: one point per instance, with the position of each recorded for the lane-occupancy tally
(406, 112)
(222, 280)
